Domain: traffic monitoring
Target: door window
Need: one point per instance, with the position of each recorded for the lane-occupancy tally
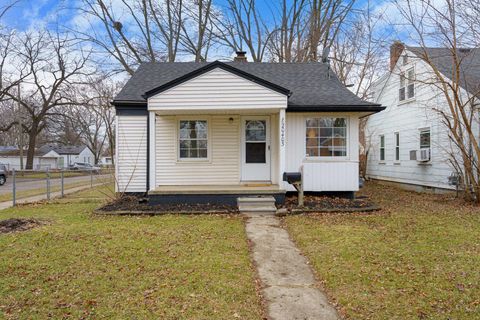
(255, 141)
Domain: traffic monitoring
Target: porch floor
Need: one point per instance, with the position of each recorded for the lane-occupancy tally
(253, 188)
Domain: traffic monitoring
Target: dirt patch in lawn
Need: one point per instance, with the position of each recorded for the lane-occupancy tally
(322, 203)
(134, 205)
(14, 225)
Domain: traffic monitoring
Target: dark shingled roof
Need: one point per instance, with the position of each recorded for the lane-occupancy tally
(312, 85)
(60, 149)
(442, 58)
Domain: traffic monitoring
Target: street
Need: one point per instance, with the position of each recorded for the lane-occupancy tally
(25, 185)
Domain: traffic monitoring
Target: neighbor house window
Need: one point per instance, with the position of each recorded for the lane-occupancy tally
(397, 146)
(410, 83)
(424, 138)
(193, 139)
(407, 85)
(326, 137)
(382, 148)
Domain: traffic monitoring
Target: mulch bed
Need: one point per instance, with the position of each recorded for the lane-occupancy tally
(316, 203)
(134, 206)
(14, 225)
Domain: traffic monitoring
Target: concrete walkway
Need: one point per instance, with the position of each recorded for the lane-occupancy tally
(53, 195)
(289, 286)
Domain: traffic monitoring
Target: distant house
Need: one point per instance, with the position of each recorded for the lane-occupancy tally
(215, 131)
(409, 142)
(106, 159)
(48, 156)
(41, 161)
(68, 155)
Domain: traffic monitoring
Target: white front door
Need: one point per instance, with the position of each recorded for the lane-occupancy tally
(256, 148)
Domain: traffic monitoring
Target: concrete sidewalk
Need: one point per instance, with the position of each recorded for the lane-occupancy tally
(53, 195)
(289, 286)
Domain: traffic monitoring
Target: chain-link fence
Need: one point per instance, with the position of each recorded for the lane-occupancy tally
(35, 185)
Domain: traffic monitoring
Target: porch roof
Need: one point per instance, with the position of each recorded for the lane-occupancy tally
(310, 86)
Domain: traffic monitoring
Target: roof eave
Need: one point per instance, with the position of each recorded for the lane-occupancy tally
(336, 108)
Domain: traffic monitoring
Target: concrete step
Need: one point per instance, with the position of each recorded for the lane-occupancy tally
(259, 208)
(256, 201)
(257, 205)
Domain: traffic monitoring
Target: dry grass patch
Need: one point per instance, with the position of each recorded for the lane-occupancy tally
(84, 266)
(418, 258)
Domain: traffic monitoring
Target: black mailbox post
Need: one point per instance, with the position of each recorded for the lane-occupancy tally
(295, 179)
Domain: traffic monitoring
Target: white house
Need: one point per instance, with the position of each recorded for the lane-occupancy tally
(48, 156)
(41, 160)
(194, 132)
(408, 141)
(68, 155)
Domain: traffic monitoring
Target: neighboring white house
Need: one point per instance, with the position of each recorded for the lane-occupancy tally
(41, 161)
(106, 159)
(408, 142)
(213, 131)
(68, 155)
(48, 156)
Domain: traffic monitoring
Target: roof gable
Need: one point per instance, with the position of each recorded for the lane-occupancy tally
(211, 66)
(217, 89)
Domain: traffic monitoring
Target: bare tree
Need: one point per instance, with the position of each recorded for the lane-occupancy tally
(307, 27)
(450, 70)
(325, 21)
(287, 41)
(54, 65)
(196, 35)
(242, 26)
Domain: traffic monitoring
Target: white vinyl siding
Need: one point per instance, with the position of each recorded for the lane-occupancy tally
(217, 90)
(408, 118)
(223, 165)
(131, 153)
(322, 174)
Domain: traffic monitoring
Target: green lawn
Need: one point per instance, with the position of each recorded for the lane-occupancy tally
(90, 267)
(418, 258)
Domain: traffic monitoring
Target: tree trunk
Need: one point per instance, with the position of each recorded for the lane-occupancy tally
(32, 141)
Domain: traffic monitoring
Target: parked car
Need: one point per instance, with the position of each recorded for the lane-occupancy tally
(3, 174)
(84, 167)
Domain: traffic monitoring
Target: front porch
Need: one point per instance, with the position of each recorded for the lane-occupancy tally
(220, 194)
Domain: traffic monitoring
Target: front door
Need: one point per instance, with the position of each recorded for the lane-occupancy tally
(256, 148)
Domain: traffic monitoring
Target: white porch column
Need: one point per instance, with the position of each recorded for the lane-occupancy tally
(152, 150)
(282, 127)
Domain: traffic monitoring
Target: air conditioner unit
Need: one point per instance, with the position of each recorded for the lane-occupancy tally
(423, 155)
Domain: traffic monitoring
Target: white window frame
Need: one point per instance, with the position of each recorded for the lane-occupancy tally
(382, 138)
(407, 82)
(421, 131)
(347, 138)
(396, 137)
(410, 81)
(177, 139)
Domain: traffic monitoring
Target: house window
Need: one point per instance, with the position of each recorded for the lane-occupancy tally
(397, 146)
(410, 83)
(193, 139)
(326, 137)
(407, 85)
(424, 138)
(405, 59)
(382, 148)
